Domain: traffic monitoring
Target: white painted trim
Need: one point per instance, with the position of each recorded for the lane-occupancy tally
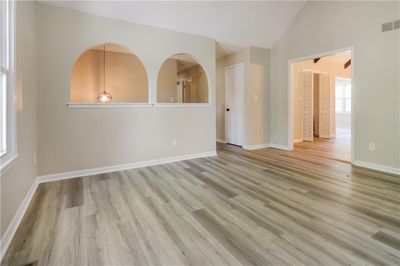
(221, 141)
(281, 147)
(234, 65)
(10, 154)
(121, 167)
(6, 164)
(353, 94)
(184, 105)
(15, 222)
(19, 215)
(137, 105)
(107, 105)
(377, 167)
(256, 147)
(290, 106)
(297, 140)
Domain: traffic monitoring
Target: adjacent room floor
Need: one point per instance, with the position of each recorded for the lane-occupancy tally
(265, 207)
(336, 148)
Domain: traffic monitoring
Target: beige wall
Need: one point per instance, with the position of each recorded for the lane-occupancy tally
(333, 69)
(16, 182)
(126, 77)
(166, 82)
(376, 74)
(257, 71)
(75, 139)
(257, 97)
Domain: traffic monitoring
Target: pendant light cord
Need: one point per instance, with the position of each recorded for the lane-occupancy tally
(104, 69)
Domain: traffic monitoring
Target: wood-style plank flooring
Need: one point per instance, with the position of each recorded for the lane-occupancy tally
(337, 148)
(262, 207)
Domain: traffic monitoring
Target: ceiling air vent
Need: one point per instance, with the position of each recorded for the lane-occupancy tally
(396, 24)
(387, 26)
(392, 25)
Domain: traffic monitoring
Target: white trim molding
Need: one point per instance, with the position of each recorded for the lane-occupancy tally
(183, 105)
(137, 105)
(107, 105)
(19, 215)
(297, 140)
(15, 222)
(121, 167)
(377, 167)
(256, 147)
(281, 147)
(6, 165)
(221, 141)
(8, 68)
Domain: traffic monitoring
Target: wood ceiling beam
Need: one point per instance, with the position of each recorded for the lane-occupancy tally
(348, 63)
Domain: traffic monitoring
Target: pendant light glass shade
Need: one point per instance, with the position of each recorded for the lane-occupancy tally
(104, 97)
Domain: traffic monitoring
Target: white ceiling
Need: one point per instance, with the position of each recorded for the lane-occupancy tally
(234, 25)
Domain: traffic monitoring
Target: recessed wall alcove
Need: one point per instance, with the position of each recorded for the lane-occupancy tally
(111, 68)
(182, 79)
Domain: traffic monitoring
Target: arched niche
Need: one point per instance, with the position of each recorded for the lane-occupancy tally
(182, 79)
(112, 68)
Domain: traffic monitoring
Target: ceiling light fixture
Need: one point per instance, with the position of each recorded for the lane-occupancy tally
(104, 97)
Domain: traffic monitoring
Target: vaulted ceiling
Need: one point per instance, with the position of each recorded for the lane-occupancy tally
(234, 25)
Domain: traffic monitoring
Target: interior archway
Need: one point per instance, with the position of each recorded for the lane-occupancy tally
(111, 68)
(182, 79)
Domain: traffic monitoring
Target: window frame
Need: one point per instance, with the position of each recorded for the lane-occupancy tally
(9, 108)
(343, 97)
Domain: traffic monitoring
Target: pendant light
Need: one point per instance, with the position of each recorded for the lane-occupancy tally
(104, 97)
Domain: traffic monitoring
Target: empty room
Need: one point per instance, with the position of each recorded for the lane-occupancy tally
(199, 133)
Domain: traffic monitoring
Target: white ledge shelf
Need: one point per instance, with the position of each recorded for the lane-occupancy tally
(107, 105)
(137, 105)
(183, 105)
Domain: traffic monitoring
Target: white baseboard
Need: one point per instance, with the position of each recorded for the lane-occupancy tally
(297, 140)
(221, 141)
(377, 167)
(121, 167)
(13, 226)
(256, 147)
(281, 147)
(16, 220)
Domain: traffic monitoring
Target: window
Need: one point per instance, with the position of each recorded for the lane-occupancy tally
(181, 79)
(7, 107)
(343, 95)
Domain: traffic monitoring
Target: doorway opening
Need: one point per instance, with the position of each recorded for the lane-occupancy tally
(321, 106)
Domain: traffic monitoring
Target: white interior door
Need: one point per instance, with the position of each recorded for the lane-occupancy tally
(325, 106)
(308, 105)
(234, 99)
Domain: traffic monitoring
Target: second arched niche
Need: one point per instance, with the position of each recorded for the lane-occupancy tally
(182, 79)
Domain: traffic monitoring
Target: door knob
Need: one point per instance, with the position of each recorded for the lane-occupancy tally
(227, 109)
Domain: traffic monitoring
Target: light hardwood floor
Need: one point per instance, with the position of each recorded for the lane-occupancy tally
(264, 207)
(337, 148)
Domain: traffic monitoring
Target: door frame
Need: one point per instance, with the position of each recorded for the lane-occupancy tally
(290, 94)
(241, 108)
